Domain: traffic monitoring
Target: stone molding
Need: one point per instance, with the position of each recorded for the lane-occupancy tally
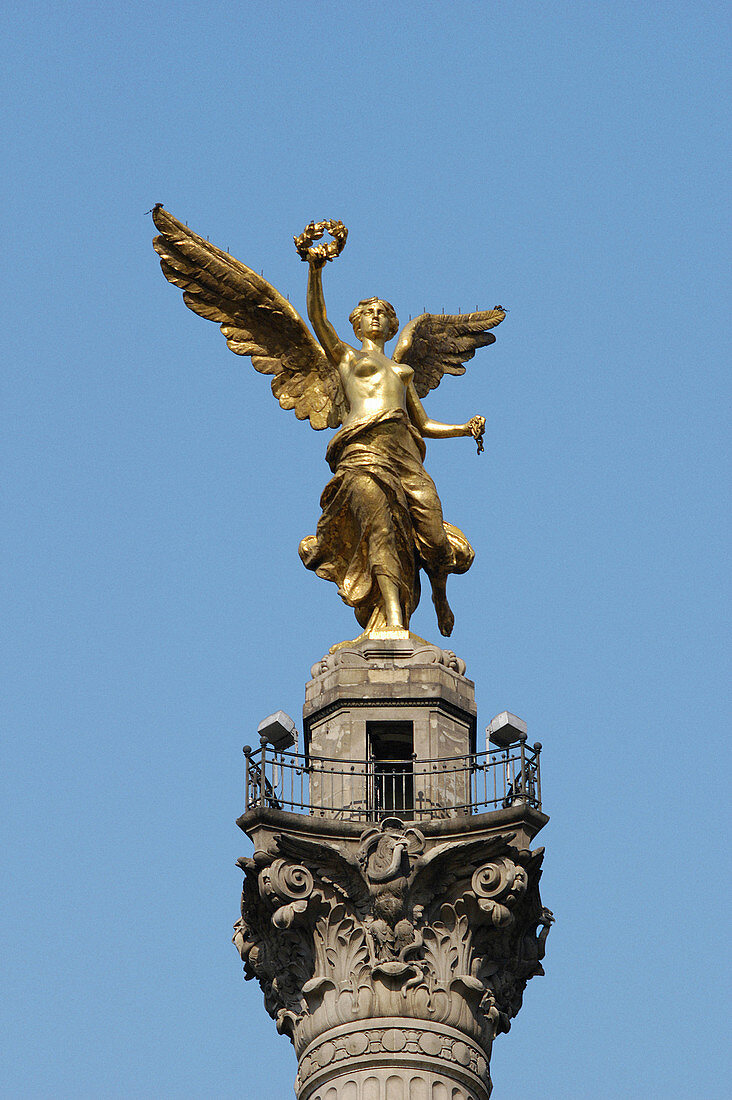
(381, 671)
(350, 702)
(362, 654)
(414, 1054)
(351, 658)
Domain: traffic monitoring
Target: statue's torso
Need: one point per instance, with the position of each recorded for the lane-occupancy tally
(373, 383)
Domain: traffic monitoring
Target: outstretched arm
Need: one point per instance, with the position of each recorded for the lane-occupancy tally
(327, 335)
(432, 429)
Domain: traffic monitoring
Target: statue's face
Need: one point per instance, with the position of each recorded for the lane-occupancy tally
(374, 321)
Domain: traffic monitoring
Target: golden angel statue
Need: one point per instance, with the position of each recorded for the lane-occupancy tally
(381, 520)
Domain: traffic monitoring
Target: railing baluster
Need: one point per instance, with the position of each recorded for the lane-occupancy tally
(247, 753)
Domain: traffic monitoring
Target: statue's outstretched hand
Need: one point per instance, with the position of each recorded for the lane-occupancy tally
(476, 428)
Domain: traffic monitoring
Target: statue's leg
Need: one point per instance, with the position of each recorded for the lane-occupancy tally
(445, 617)
(376, 520)
(392, 605)
(433, 545)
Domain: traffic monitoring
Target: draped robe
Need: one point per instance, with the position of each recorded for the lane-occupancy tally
(381, 515)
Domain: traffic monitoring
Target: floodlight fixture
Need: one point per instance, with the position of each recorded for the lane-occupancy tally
(278, 730)
(506, 729)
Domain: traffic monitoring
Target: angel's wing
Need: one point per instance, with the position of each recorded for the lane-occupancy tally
(446, 863)
(255, 319)
(332, 864)
(434, 344)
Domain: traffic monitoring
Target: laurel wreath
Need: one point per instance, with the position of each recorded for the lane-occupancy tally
(314, 232)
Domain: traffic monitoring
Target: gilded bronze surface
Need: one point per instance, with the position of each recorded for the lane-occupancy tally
(381, 520)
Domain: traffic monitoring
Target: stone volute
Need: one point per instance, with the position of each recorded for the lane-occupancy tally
(391, 910)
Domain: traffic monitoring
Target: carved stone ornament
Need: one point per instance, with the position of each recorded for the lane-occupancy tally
(353, 655)
(447, 936)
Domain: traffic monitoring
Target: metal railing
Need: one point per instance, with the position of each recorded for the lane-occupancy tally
(369, 790)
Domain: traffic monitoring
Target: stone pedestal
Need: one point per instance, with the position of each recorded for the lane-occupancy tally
(393, 950)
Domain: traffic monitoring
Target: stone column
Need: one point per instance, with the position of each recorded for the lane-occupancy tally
(392, 951)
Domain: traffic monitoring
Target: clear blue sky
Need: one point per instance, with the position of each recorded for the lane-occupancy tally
(563, 159)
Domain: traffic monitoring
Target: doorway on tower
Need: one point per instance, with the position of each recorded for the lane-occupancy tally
(391, 769)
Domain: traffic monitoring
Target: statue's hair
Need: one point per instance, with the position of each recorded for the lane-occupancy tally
(355, 317)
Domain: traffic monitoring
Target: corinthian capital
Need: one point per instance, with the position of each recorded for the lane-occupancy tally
(387, 926)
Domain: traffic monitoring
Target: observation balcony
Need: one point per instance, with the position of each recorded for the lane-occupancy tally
(412, 789)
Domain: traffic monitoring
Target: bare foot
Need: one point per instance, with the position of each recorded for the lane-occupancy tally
(445, 620)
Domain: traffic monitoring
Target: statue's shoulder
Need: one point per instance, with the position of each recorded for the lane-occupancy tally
(349, 357)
